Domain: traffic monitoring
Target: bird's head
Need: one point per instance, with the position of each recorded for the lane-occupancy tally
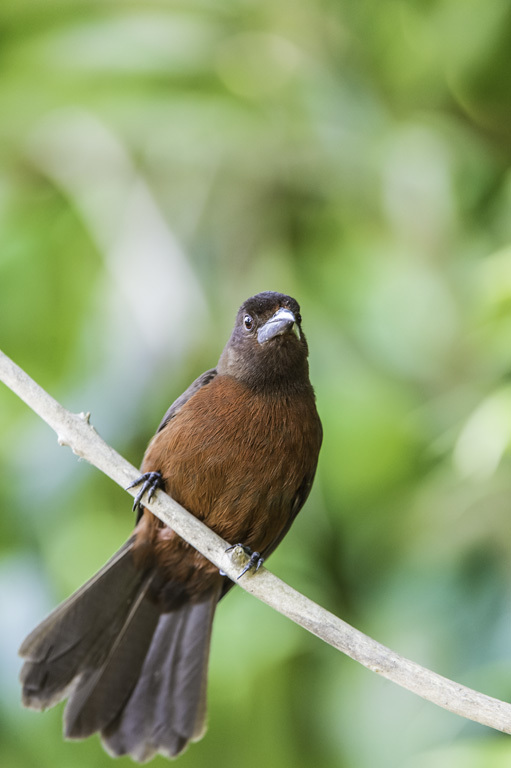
(267, 347)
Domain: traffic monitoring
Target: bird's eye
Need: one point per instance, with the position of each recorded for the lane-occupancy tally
(248, 322)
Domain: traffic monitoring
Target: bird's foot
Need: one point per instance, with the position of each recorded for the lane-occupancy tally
(150, 482)
(254, 561)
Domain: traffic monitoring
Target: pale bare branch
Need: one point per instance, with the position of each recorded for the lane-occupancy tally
(75, 431)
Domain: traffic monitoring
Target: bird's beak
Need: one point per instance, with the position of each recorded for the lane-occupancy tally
(281, 322)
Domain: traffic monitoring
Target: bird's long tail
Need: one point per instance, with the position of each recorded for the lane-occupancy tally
(131, 672)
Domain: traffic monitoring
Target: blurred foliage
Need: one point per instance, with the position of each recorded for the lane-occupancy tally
(162, 161)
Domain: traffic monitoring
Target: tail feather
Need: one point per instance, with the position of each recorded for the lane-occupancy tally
(79, 632)
(167, 708)
(102, 691)
(133, 673)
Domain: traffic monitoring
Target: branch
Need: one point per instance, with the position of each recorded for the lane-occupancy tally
(75, 431)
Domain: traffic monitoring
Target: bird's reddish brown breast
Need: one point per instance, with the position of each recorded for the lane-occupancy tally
(236, 459)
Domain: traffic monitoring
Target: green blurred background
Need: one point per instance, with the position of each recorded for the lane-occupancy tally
(162, 161)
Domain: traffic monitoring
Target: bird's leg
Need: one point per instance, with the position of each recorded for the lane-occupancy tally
(254, 562)
(150, 482)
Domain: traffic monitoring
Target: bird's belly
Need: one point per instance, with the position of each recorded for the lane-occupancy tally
(239, 475)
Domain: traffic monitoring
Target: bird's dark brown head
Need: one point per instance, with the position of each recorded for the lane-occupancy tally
(267, 348)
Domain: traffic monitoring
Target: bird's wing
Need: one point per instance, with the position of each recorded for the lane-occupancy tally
(298, 502)
(176, 406)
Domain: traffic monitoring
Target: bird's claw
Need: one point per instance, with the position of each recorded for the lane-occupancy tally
(150, 482)
(254, 562)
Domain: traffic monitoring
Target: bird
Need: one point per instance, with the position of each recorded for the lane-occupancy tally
(239, 450)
